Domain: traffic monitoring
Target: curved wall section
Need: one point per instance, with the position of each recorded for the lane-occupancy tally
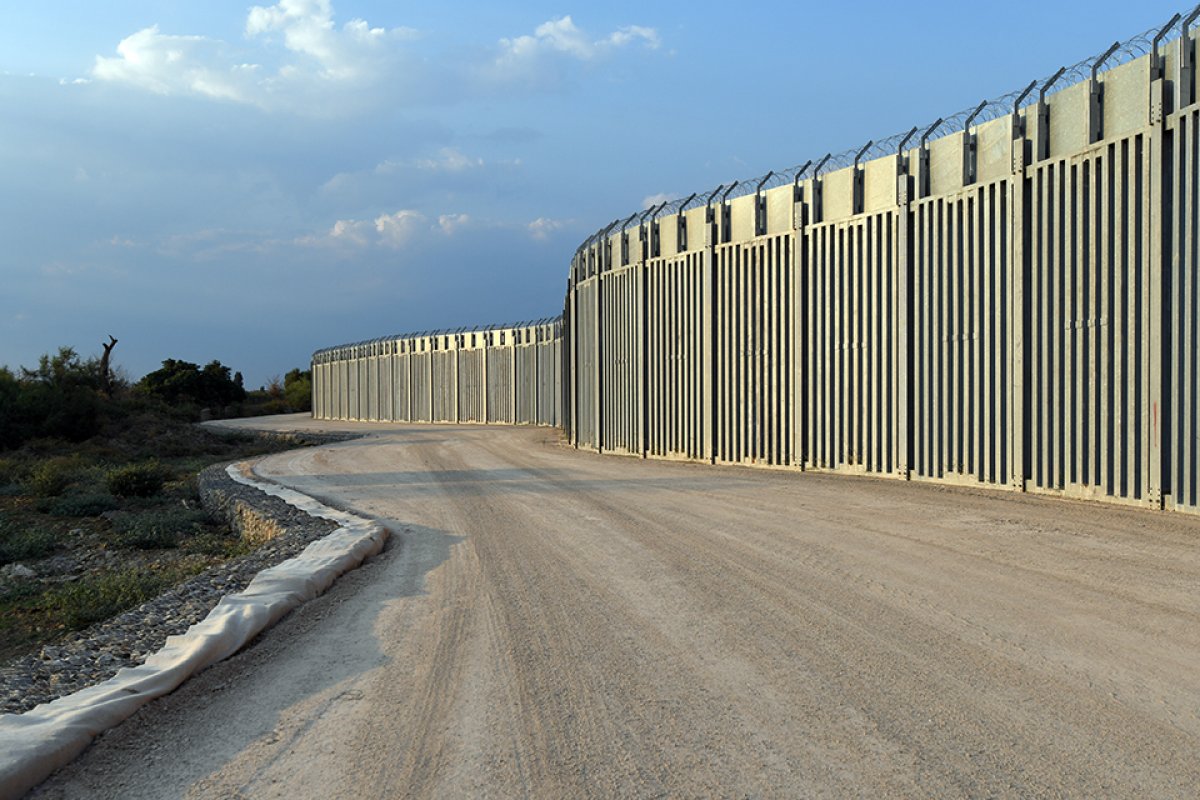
(1012, 304)
(502, 374)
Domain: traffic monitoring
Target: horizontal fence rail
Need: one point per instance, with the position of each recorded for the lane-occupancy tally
(1009, 298)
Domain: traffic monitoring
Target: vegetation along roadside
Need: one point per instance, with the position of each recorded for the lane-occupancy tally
(99, 509)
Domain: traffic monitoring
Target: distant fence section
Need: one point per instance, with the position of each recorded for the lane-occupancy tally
(501, 374)
(1007, 298)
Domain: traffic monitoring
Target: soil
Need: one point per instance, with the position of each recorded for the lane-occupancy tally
(553, 623)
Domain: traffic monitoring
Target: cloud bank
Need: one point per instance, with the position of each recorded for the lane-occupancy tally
(295, 57)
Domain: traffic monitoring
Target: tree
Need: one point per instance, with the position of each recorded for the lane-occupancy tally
(59, 398)
(185, 382)
(13, 428)
(297, 390)
(105, 372)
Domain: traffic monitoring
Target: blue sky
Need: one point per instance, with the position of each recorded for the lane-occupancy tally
(253, 182)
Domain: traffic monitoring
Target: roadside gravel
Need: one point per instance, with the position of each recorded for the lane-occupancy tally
(97, 653)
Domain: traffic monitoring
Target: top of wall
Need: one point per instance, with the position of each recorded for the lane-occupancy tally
(1111, 94)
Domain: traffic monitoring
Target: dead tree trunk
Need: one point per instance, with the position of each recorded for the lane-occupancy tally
(105, 375)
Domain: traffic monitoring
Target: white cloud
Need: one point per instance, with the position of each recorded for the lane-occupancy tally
(296, 57)
(452, 223)
(355, 232)
(447, 164)
(633, 33)
(655, 199)
(563, 36)
(397, 230)
(449, 160)
(542, 227)
(166, 64)
(308, 29)
(319, 57)
(393, 231)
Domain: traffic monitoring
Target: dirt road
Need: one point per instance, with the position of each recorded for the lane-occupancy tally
(550, 623)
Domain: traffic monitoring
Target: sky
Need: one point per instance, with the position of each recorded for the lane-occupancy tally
(250, 183)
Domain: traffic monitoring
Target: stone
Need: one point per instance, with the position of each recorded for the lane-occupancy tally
(17, 571)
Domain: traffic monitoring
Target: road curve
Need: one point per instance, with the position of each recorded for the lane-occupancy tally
(553, 623)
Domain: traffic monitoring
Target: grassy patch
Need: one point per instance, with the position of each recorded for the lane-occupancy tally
(217, 544)
(32, 614)
(25, 543)
(158, 529)
(12, 472)
(49, 478)
(80, 505)
(131, 489)
(135, 480)
(84, 602)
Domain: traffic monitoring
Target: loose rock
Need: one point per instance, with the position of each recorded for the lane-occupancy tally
(96, 654)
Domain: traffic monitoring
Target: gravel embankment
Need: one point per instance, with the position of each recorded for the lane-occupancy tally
(97, 653)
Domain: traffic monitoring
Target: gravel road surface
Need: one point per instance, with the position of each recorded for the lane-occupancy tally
(552, 623)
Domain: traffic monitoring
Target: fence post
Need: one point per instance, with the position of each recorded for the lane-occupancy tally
(797, 391)
(901, 353)
(573, 302)
(1018, 266)
(641, 271)
(598, 362)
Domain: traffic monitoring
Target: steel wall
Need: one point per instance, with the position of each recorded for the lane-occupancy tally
(464, 376)
(1015, 304)
(1012, 305)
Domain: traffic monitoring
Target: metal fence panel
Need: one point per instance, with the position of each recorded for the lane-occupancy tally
(620, 364)
(500, 382)
(587, 375)
(421, 396)
(674, 405)
(1090, 334)
(962, 334)
(753, 293)
(851, 314)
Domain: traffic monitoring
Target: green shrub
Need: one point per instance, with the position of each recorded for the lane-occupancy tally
(158, 530)
(49, 478)
(24, 544)
(82, 505)
(12, 471)
(135, 480)
(99, 597)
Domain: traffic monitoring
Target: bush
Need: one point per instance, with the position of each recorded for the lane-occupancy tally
(25, 544)
(82, 505)
(135, 480)
(49, 478)
(297, 390)
(11, 471)
(158, 530)
(181, 382)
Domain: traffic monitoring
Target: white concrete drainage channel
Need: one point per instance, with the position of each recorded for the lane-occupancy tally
(34, 744)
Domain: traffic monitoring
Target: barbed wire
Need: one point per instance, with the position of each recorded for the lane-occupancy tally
(532, 323)
(1118, 53)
